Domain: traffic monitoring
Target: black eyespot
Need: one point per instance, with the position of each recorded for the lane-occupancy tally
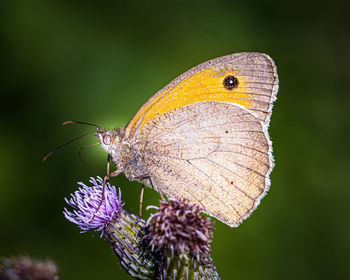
(230, 82)
(231, 183)
(226, 131)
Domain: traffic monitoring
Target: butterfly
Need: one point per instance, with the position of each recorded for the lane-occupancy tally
(203, 137)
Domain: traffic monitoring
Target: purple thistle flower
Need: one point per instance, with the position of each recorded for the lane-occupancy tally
(123, 230)
(85, 202)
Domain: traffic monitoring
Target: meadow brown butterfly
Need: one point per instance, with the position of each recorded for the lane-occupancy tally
(204, 136)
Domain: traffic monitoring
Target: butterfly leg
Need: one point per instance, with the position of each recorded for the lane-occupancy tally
(105, 179)
(151, 183)
(141, 199)
(140, 177)
(161, 195)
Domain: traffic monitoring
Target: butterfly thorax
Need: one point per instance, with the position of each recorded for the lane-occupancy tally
(132, 157)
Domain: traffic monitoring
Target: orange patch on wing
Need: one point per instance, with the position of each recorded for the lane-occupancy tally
(206, 85)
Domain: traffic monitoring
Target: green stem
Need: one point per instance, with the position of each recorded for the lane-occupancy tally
(188, 267)
(125, 234)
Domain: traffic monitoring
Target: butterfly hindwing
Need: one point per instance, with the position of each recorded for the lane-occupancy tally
(215, 154)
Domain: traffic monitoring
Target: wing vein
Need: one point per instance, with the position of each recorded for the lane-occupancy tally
(200, 170)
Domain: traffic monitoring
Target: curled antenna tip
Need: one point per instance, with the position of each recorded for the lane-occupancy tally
(45, 157)
(79, 122)
(65, 144)
(67, 122)
(48, 155)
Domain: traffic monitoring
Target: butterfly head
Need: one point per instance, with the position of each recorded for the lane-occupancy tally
(109, 139)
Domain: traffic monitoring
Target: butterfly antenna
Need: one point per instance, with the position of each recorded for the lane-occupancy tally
(81, 156)
(65, 144)
(79, 122)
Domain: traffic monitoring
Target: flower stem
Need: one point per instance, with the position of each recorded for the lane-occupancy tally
(125, 234)
(187, 267)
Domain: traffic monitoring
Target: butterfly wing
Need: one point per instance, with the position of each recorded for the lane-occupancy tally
(207, 142)
(213, 153)
(257, 88)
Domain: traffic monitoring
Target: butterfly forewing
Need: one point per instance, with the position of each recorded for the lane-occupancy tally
(256, 89)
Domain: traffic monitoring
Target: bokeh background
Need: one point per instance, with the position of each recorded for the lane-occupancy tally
(99, 61)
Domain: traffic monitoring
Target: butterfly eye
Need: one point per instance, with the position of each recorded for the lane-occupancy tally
(230, 82)
(106, 139)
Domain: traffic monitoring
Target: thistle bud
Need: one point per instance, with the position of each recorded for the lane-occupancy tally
(181, 236)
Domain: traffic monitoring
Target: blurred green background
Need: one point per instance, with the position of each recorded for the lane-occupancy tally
(100, 61)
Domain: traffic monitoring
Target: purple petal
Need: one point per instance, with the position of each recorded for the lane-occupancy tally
(85, 202)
